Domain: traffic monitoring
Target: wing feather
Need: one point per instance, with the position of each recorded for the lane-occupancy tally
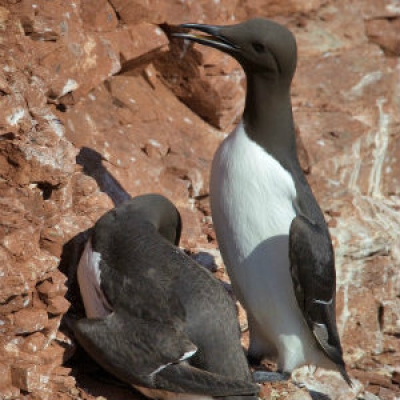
(131, 349)
(114, 343)
(314, 281)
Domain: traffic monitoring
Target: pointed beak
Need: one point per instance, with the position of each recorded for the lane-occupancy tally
(214, 38)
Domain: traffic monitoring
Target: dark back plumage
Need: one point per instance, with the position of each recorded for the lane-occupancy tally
(165, 308)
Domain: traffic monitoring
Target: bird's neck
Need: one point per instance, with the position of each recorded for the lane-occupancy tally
(268, 118)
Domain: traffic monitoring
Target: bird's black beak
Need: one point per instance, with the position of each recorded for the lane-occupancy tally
(214, 38)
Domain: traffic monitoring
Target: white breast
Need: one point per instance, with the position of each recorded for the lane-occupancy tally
(252, 202)
(252, 195)
(96, 304)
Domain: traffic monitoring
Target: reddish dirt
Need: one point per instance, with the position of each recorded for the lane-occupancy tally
(97, 104)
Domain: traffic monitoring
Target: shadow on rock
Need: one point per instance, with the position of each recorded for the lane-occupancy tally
(86, 372)
(98, 382)
(92, 163)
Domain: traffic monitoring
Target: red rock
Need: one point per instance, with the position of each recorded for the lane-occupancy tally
(37, 302)
(51, 239)
(380, 9)
(11, 286)
(58, 305)
(388, 394)
(384, 32)
(5, 376)
(62, 371)
(131, 139)
(377, 379)
(15, 116)
(58, 94)
(53, 354)
(30, 377)
(15, 303)
(396, 376)
(270, 8)
(53, 327)
(133, 11)
(22, 244)
(136, 11)
(137, 44)
(333, 31)
(34, 343)
(81, 65)
(84, 185)
(174, 12)
(55, 285)
(322, 142)
(6, 323)
(30, 320)
(62, 382)
(98, 15)
(10, 393)
(206, 80)
(67, 343)
(4, 14)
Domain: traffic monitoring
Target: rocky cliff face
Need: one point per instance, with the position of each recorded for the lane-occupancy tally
(97, 104)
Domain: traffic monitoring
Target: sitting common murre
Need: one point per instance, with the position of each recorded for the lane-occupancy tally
(155, 318)
(271, 232)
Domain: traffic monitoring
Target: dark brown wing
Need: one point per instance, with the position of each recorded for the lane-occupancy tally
(137, 355)
(314, 279)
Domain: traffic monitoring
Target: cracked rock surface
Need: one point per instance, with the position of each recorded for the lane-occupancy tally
(97, 104)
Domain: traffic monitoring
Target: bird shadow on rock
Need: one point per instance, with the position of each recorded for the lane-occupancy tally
(87, 373)
(92, 163)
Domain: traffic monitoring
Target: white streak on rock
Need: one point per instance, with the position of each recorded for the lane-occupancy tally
(344, 277)
(356, 147)
(70, 86)
(197, 182)
(16, 116)
(368, 79)
(186, 44)
(55, 124)
(381, 146)
(154, 143)
(394, 8)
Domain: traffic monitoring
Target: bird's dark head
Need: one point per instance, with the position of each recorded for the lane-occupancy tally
(261, 46)
(160, 212)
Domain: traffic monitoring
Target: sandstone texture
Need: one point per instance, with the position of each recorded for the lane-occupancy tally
(98, 104)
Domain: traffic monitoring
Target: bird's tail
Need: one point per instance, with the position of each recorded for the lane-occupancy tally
(345, 375)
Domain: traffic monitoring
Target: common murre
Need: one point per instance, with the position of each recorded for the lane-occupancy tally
(155, 318)
(272, 234)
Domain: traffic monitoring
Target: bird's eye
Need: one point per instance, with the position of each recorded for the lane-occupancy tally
(258, 47)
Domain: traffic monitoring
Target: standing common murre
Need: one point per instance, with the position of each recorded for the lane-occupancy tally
(272, 234)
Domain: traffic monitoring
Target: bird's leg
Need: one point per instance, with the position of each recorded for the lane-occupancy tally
(257, 352)
(270, 376)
